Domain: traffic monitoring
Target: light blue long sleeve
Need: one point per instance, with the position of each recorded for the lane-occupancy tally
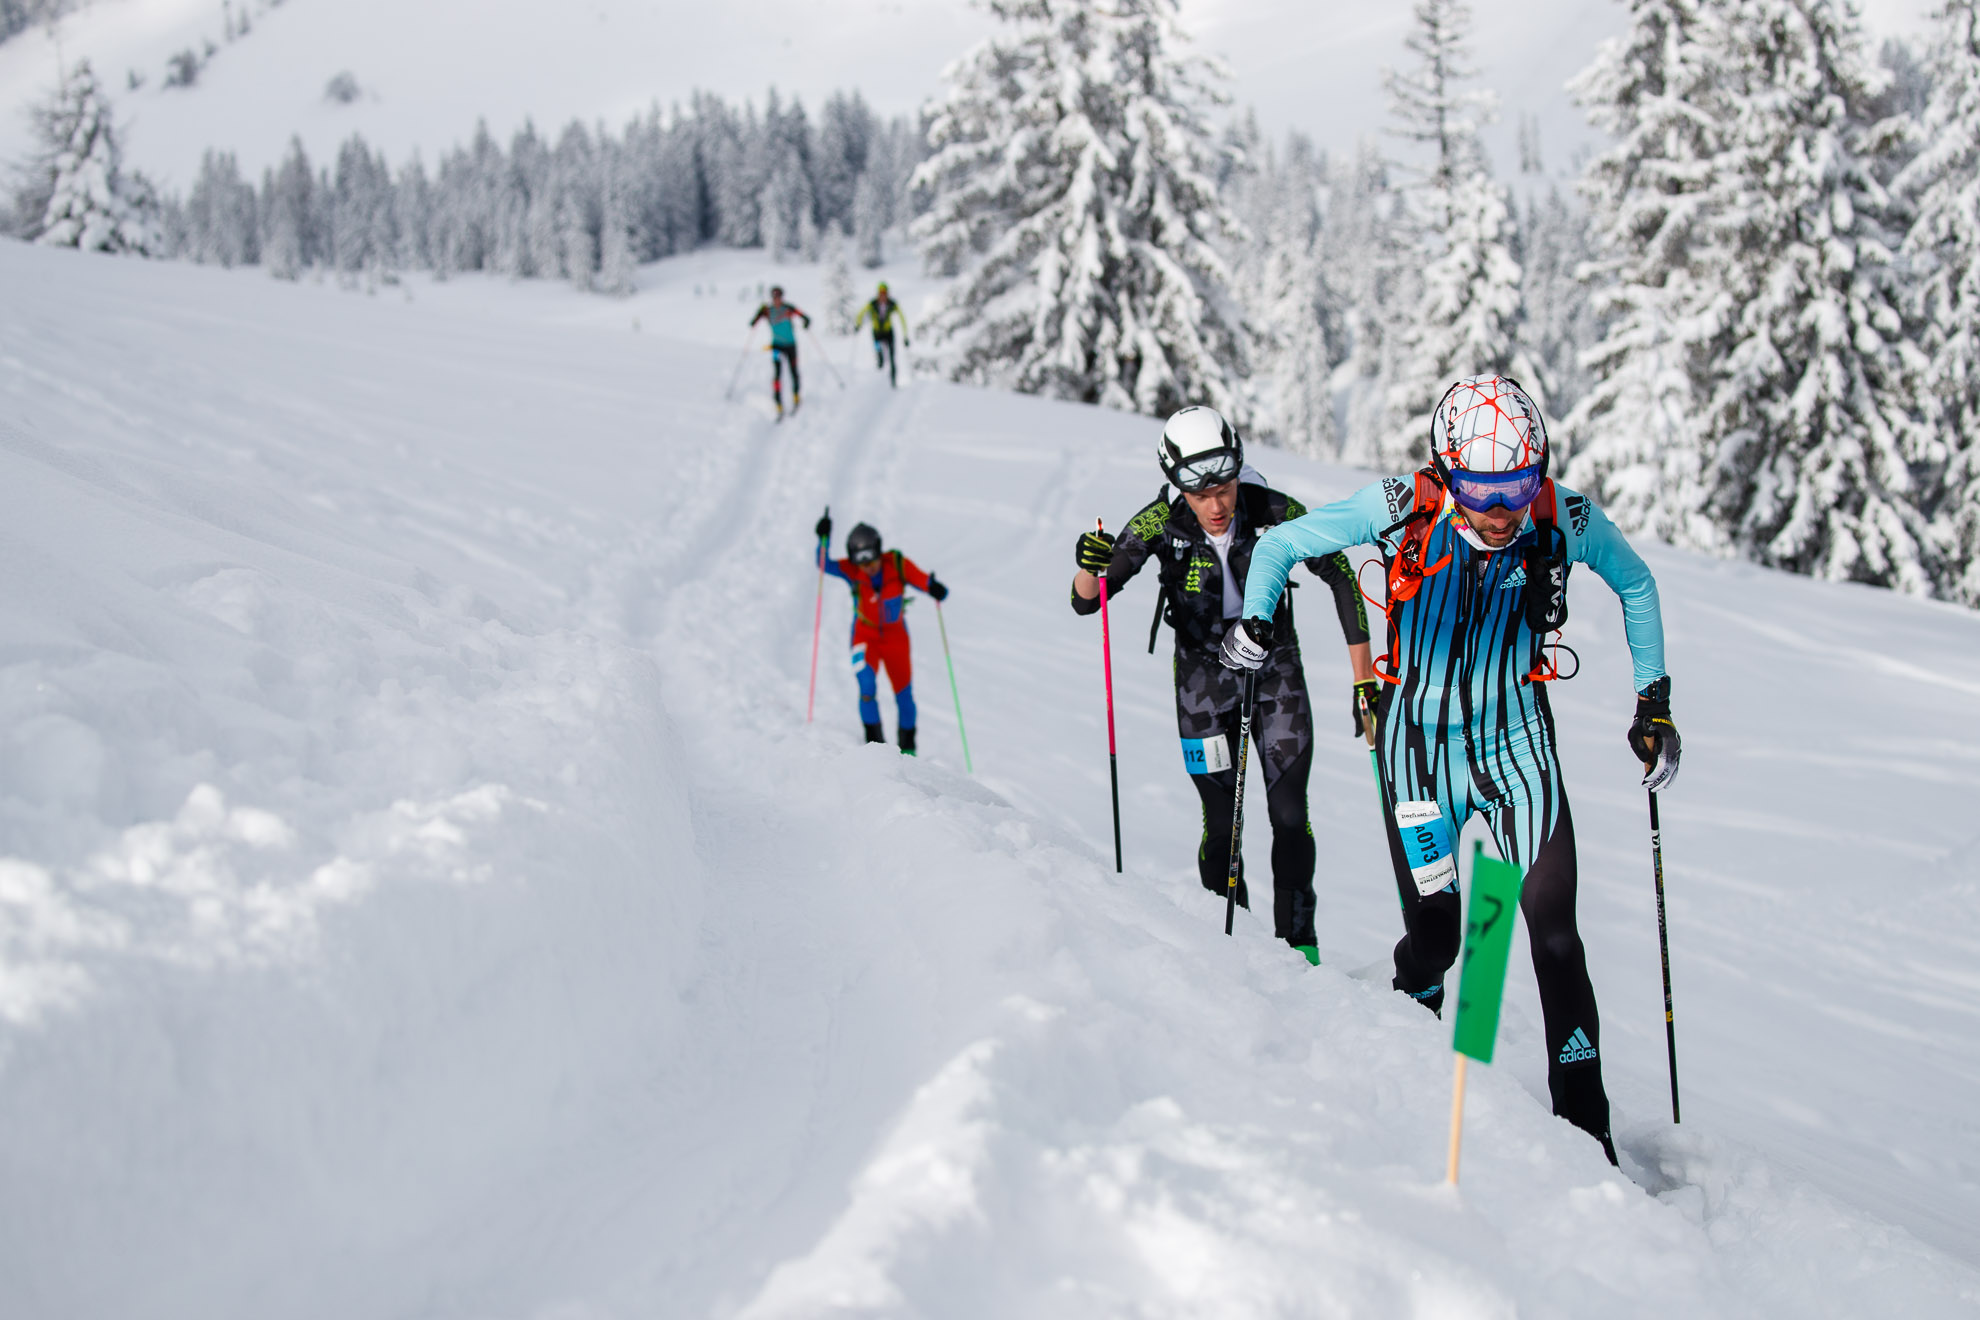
(1357, 520)
(1362, 517)
(1596, 542)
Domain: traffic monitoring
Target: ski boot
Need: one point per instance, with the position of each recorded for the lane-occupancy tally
(907, 742)
(1431, 997)
(874, 733)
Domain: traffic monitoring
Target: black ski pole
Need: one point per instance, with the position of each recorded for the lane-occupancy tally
(1664, 950)
(1107, 663)
(1237, 813)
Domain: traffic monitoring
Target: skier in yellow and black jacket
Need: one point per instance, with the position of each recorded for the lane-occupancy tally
(882, 311)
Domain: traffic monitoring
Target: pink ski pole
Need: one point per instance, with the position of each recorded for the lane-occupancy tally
(1107, 662)
(817, 623)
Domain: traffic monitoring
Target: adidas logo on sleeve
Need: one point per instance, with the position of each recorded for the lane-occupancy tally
(1578, 1049)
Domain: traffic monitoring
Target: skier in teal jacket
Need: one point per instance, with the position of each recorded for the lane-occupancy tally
(783, 345)
(1478, 548)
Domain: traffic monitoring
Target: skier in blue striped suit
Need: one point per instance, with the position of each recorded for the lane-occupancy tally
(1478, 547)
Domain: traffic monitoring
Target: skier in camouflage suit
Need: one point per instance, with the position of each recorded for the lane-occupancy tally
(1202, 543)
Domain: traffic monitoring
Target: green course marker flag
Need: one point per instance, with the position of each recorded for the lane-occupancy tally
(1482, 984)
(1487, 944)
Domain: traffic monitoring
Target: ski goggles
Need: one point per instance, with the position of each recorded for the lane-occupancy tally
(1204, 471)
(1479, 491)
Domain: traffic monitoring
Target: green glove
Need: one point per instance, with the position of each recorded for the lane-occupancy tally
(1372, 689)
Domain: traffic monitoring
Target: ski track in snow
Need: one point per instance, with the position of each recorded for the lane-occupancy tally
(420, 893)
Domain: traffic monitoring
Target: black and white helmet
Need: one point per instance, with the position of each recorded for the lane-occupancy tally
(1199, 450)
(863, 544)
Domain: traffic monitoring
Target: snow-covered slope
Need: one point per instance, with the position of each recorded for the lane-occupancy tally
(422, 895)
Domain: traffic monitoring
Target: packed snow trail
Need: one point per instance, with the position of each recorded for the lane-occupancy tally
(423, 895)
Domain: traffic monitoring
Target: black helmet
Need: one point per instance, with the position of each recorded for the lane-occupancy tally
(1199, 450)
(863, 544)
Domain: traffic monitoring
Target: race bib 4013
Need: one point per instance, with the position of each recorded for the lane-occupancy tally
(1426, 841)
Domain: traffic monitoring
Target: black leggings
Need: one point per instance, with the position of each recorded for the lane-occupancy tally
(1292, 843)
(778, 352)
(883, 355)
(1434, 935)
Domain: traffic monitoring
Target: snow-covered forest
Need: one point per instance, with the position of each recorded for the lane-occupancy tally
(1749, 324)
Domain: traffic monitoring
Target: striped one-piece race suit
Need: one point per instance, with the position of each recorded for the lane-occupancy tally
(1467, 729)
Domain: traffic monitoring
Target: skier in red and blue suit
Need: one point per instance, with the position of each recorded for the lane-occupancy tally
(879, 584)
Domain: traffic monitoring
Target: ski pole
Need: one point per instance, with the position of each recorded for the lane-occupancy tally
(817, 622)
(1664, 948)
(824, 357)
(953, 695)
(1107, 663)
(1237, 813)
(729, 394)
(1381, 788)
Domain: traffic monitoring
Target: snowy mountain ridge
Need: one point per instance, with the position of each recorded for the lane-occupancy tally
(423, 894)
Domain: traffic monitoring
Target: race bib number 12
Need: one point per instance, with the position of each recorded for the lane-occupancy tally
(1206, 756)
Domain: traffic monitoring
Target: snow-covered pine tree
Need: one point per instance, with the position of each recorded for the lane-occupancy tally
(1468, 317)
(412, 216)
(618, 241)
(1372, 284)
(734, 156)
(574, 180)
(1432, 106)
(221, 224)
(1071, 185)
(1466, 309)
(76, 193)
(840, 305)
(1942, 183)
(871, 215)
(521, 220)
(1281, 277)
(1634, 438)
(845, 138)
(1815, 426)
(1561, 324)
(288, 215)
(1804, 441)
(363, 241)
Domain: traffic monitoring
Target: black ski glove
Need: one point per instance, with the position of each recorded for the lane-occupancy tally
(1094, 552)
(1653, 737)
(1375, 690)
(1246, 643)
(824, 528)
(936, 589)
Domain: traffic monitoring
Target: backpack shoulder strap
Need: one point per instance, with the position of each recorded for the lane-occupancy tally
(1543, 506)
(1426, 503)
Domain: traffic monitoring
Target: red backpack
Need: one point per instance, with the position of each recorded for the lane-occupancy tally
(1545, 562)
